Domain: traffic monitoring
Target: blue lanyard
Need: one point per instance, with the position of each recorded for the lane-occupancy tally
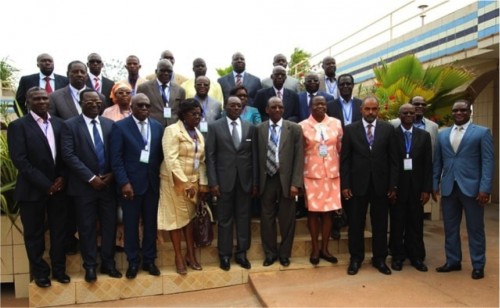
(347, 111)
(145, 140)
(407, 143)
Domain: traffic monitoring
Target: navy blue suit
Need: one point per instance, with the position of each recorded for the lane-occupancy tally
(80, 156)
(31, 155)
(304, 110)
(290, 102)
(126, 144)
(30, 81)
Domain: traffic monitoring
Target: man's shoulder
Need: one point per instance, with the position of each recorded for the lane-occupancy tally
(30, 77)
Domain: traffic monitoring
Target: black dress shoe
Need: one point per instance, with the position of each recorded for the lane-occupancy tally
(300, 213)
(90, 275)
(330, 258)
(62, 278)
(353, 267)
(151, 269)
(397, 265)
(269, 261)
(132, 271)
(314, 259)
(243, 262)
(111, 272)
(284, 262)
(419, 265)
(382, 267)
(478, 274)
(43, 282)
(225, 263)
(449, 268)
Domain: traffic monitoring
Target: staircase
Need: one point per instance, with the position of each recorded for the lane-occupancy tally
(107, 288)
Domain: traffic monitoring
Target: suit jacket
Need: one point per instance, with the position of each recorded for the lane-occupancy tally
(291, 156)
(126, 144)
(106, 86)
(250, 82)
(290, 102)
(177, 95)
(213, 109)
(334, 109)
(359, 165)
(30, 81)
(431, 127)
(31, 155)
(304, 110)
(420, 177)
(225, 162)
(291, 83)
(322, 87)
(78, 152)
(471, 167)
(62, 105)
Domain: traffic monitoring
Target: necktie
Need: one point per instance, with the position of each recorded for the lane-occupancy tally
(97, 86)
(99, 148)
(272, 147)
(369, 134)
(408, 141)
(163, 95)
(48, 87)
(278, 94)
(457, 137)
(143, 131)
(238, 80)
(311, 96)
(234, 134)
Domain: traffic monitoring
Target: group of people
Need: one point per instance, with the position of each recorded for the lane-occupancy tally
(88, 146)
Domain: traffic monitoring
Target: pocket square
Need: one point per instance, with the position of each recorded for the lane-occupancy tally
(248, 140)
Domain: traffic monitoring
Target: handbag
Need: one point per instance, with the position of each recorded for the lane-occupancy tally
(203, 229)
(339, 219)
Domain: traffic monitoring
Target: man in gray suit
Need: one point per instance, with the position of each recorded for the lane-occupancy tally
(232, 177)
(291, 82)
(164, 95)
(281, 168)
(211, 108)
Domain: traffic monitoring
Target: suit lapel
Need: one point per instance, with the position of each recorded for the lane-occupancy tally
(82, 127)
(69, 98)
(33, 126)
(284, 135)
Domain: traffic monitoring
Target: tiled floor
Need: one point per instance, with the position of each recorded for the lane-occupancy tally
(331, 286)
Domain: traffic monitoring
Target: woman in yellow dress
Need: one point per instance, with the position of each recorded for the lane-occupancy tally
(183, 180)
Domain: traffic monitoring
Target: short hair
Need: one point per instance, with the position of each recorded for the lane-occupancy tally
(463, 100)
(234, 90)
(346, 75)
(34, 89)
(186, 106)
(86, 90)
(411, 99)
(370, 97)
(76, 62)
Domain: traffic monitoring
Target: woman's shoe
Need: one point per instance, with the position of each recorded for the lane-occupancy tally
(328, 258)
(314, 260)
(194, 265)
(181, 268)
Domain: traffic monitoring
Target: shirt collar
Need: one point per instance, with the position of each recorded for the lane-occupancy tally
(464, 125)
(37, 117)
(137, 121)
(42, 76)
(229, 121)
(343, 101)
(279, 123)
(89, 120)
(242, 74)
(92, 76)
(365, 124)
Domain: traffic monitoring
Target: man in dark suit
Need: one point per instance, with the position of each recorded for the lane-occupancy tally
(232, 177)
(136, 155)
(311, 82)
(369, 175)
(97, 81)
(33, 142)
(164, 95)
(85, 150)
(328, 82)
(239, 76)
(281, 168)
(65, 102)
(414, 188)
(463, 167)
(291, 83)
(46, 64)
(289, 98)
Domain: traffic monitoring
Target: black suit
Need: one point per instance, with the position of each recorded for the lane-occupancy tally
(370, 174)
(31, 154)
(334, 109)
(407, 215)
(290, 102)
(30, 81)
(106, 86)
(79, 154)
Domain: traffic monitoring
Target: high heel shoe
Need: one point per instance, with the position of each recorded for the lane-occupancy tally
(181, 268)
(329, 258)
(194, 265)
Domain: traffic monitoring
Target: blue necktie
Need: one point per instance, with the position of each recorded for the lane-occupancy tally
(99, 148)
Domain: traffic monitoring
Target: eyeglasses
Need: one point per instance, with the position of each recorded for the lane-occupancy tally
(95, 61)
(462, 110)
(142, 105)
(124, 92)
(345, 84)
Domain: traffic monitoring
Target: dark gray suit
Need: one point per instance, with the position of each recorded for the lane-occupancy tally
(275, 191)
(152, 91)
(62, 105)
(234, 170)
(250, 82)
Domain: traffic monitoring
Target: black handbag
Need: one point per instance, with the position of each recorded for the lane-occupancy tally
(203, 229)
(339, 219)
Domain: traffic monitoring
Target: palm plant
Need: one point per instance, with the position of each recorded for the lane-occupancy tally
(406, 77)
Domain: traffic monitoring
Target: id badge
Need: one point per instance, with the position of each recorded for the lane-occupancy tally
(323, 150)
(144, 157)
(203, 126)
(407, 163)
(196, 163)
(167, 112)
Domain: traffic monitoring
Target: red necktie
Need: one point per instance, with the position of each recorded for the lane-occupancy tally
(238, 80)
(97, 86)
(48, 87)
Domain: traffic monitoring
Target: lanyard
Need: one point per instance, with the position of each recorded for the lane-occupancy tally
(407, 143)
(146, 139)
(347, 111)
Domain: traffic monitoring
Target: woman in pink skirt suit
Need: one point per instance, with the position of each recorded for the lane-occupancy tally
(322, 141)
